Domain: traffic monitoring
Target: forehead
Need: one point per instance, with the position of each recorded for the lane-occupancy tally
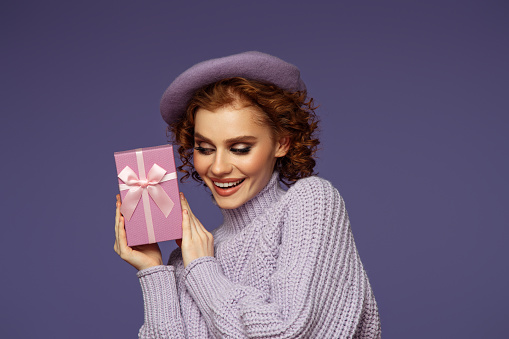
(230, 121)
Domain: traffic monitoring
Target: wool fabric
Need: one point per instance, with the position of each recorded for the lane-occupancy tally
(251, 65)
(285, 266)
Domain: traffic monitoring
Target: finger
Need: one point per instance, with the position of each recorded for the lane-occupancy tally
(194, 226)
(117, 219)
(117, 214)
(200, 230)
(193, 220)
(186, 226)
(120, 228)
(197, 227)
(122, 238)
(185, 204)
(207, 237)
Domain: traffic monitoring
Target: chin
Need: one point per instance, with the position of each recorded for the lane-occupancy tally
(232, 197)
(227, 204)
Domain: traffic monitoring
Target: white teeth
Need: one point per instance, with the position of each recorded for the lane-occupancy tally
(228, 184)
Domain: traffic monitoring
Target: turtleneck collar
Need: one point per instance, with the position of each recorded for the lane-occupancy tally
(238, 218)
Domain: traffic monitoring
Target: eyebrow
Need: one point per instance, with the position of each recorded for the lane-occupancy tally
(242, 138)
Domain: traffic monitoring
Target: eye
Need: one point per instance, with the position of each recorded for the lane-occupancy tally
(241, 149)
(204, 150)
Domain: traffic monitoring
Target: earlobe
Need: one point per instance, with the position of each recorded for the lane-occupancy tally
(283, 145)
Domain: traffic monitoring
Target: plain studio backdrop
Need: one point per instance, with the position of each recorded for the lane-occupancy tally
(414, 127)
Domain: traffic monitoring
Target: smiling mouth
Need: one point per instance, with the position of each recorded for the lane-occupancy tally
(225, 185)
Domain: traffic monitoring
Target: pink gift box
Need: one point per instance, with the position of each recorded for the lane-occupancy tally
(150, 194)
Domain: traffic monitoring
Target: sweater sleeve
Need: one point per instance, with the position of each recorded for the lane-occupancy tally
(163, 318)
(319, 288)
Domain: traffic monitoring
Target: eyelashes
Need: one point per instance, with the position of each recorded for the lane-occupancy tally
(203, 150)
(208, 151)
(244, 150)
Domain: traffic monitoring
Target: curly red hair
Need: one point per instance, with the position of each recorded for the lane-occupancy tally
(288, 114)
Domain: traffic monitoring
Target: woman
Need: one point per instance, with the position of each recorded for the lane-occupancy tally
(283, 264)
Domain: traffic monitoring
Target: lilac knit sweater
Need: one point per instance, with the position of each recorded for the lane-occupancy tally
(285, 266)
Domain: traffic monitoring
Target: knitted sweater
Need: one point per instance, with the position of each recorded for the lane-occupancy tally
(285, 266)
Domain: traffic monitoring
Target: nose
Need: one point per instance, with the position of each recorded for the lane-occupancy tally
(221, 165)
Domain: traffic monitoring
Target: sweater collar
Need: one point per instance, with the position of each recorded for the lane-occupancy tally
(238, 218)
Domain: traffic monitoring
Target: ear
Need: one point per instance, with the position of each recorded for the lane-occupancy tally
(282, 146)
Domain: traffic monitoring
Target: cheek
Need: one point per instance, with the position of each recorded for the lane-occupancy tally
(257, 163)
(200, 163)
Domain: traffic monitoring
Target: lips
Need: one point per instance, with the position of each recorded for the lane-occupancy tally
(228, 186)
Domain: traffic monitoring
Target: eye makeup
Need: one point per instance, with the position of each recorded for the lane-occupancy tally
(203, 150)
(239, 151)
(242, 150)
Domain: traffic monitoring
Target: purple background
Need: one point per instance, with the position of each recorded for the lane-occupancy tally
(414, 110)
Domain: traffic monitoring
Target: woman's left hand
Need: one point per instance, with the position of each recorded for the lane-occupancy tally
(196, 241)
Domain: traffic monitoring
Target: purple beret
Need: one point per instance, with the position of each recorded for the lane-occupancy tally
(250, 65)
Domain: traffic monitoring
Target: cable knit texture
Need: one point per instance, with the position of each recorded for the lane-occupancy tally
(285, 266)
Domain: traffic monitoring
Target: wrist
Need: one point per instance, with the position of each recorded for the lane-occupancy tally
(154, 269)
(149, 265)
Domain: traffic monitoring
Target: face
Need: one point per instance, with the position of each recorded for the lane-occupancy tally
(235, 155)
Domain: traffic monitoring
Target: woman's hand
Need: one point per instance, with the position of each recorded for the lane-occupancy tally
(196, 241)
(140, 257)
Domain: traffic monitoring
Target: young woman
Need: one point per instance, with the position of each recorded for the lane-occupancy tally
(284, 263)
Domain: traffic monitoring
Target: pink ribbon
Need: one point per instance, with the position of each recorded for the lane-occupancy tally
(137, 187)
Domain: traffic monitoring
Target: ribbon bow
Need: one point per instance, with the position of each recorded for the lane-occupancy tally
(137, 186)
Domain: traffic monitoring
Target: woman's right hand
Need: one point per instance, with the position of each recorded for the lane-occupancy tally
(141, 257)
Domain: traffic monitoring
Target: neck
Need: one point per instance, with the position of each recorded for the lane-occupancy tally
(240, 217)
